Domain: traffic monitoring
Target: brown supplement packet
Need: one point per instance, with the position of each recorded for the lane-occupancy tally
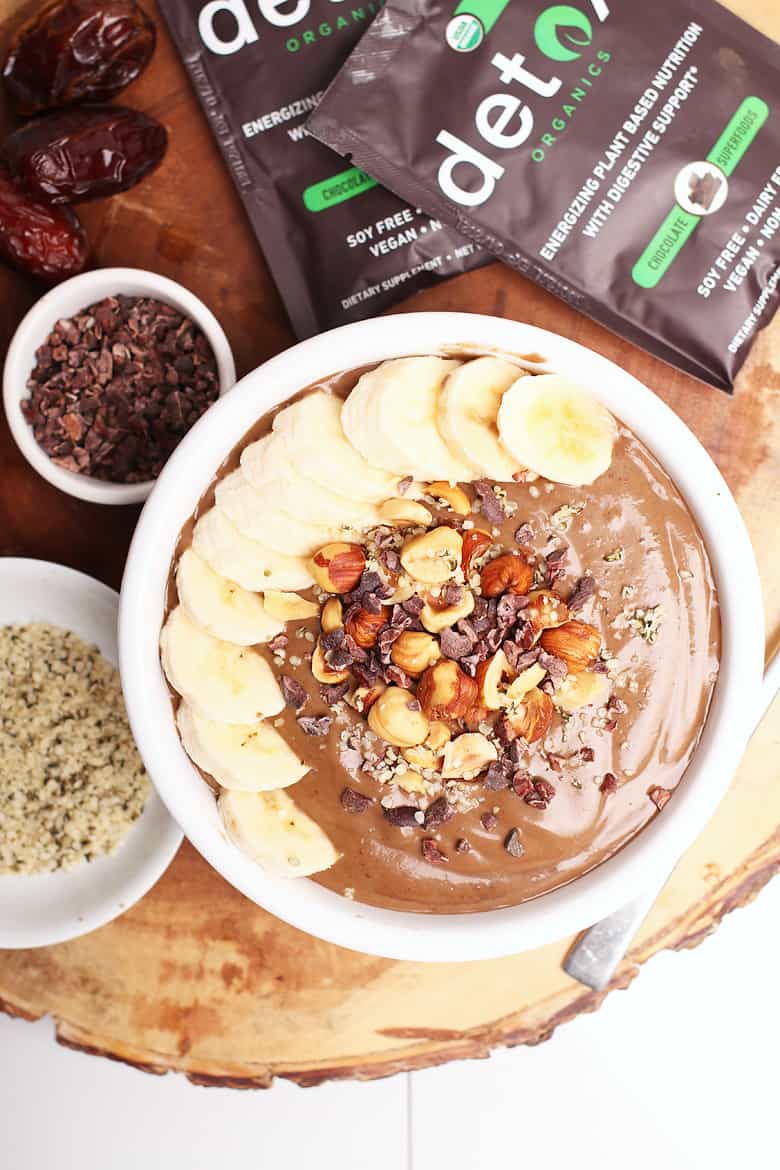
(625, 156)
(339, 247)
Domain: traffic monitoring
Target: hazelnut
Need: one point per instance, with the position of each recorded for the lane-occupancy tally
(331, 616)
(363, 698)
(475, 544)
(391, 718)
(454, 496)
(532, 716)
(338, 567)
(433, 557)
(445, 692)
(435, 619)
(405, 513)
(428, 754)
(414, 651)
(585, 689)
(467, 755)
(575, 642)
(546, 610)
(364, 627)
(508, 573)
(288, 607)
(322, 672)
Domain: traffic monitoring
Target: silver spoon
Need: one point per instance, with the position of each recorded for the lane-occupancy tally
(595, 956)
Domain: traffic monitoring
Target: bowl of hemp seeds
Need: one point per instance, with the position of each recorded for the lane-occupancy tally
(104, 377)
(83, 834)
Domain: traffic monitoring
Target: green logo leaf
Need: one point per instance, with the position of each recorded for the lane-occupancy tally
(562, 32)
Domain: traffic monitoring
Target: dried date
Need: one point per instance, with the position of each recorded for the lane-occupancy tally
(77, 50)
(85, 153)
(42, 240)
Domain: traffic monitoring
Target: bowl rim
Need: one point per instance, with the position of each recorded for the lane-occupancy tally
(82, 290)
(111, 897)
(653, 852)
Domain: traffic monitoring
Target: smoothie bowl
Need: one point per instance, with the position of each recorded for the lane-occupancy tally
(441, 636)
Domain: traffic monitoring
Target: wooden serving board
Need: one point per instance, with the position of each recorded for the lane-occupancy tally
(196, 978)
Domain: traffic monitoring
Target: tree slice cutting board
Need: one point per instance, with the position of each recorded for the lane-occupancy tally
(196, 978)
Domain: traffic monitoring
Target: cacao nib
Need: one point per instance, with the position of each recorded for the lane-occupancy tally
(414, 605)
(370, 582)
(556, 564)
(608, 784)
(109, 394)
(462, 845)
(540, 794)
(555, 667)
(466, 628)
(390, 559)
(278, 643)
(294, 693)
(488, 821)
(659, 796)
(547, 686)
(366, 673)
(454, 645)
(431, 851)
(490, 504)
(513, 844)
(493, 639)
(524, 534)
(414, 705)
(520, 659)
(599, 667)
(469, 664)
(509, 606)
(402, 816)
(581, 594)
(504, 731)
(610, 725)
(394, 674)
(372, 601)
(339, 659)
(357, 653)
(586, 755)
(438, 813)
(385, 641)
(355, 802)
(498, 775)
(332, 693)
(314, 724)
(522, 784)
(616, 705)
(517, 751)
(525, 632)
(404, 485)
(399, 618)
(332, 641)
(452, 594)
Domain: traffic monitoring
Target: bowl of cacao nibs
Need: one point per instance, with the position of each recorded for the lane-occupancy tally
(104, 377)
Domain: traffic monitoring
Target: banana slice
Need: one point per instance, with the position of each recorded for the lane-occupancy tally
(249, 563)
(220, 607)
(468, 414)
(251, 757)
(286, 489)
(311, 432)
(248, 509)
(390, 417)
(226, 683)
(557, 429)
(271, 829)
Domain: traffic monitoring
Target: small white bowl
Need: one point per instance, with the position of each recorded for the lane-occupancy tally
(37, 910)
(429, 937)
(65, 300)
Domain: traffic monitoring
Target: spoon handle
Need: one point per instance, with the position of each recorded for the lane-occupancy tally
(596, 954)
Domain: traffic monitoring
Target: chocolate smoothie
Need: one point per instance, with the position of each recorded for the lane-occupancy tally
(635, 568)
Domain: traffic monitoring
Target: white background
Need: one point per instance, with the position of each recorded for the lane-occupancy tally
(680, 1072)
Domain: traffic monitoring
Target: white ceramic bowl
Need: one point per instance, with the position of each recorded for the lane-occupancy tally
(39, 909)
(303, 903)
(65, 300)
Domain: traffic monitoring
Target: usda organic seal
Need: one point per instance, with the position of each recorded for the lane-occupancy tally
(464, 33)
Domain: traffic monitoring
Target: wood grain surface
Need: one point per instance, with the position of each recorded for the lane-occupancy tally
(197, 978)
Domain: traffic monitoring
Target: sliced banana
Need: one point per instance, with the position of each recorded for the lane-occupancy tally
(289, 607)
(248, 509)
(390, 416)
(468, 414)
(271, 829)
(220, 607)
(251, 757)
(223, 682)
(557, 429)
(249, 563)
(289, 490)
(311, 432)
